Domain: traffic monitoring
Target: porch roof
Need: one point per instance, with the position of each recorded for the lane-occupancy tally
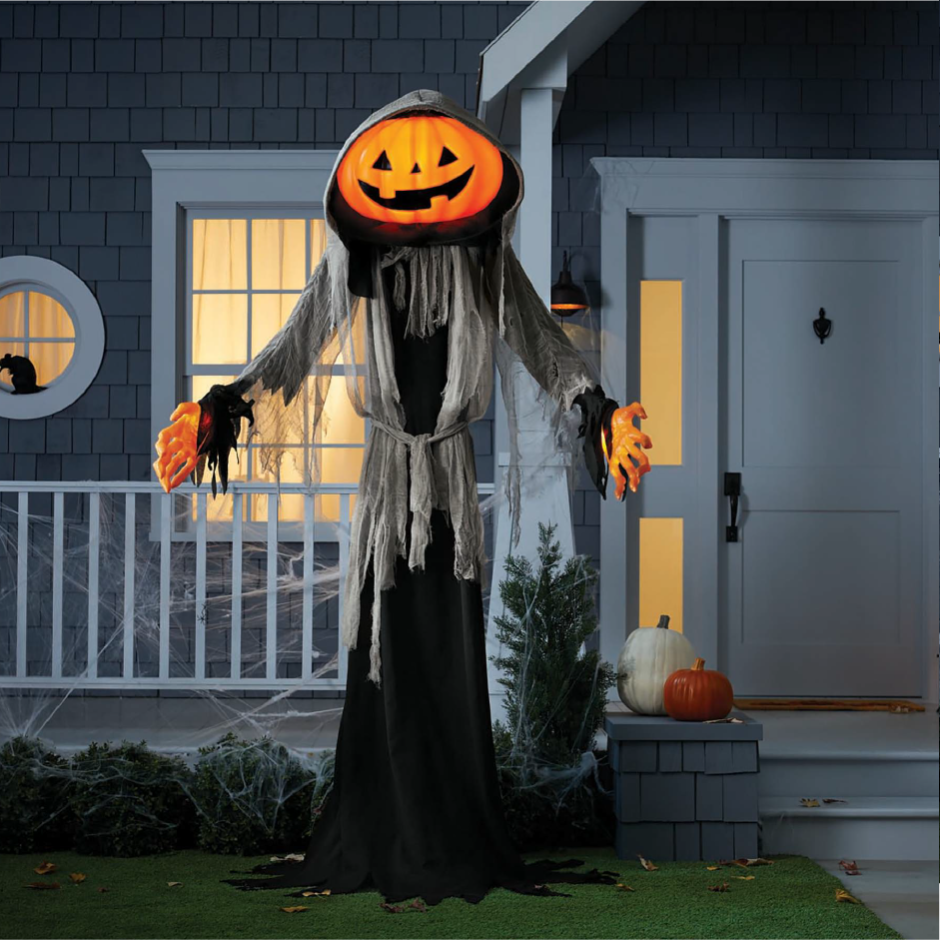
(540, 49)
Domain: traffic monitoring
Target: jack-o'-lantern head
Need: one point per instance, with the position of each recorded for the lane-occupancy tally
(417, 175)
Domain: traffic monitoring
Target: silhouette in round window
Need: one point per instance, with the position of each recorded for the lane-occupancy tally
(37, 341)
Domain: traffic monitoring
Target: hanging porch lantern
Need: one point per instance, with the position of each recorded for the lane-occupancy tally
(567, 297)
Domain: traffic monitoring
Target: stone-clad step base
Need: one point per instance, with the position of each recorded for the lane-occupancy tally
(686, 841)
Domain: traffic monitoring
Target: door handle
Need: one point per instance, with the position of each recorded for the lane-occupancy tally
(733, 492)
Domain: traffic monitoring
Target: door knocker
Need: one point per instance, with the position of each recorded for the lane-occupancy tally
(822, 326)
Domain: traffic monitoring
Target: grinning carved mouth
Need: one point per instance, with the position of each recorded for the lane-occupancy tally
(412, 200)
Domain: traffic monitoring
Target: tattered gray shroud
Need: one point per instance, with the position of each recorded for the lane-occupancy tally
(491, 308)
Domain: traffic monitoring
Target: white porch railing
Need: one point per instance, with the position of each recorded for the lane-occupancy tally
(162, 525)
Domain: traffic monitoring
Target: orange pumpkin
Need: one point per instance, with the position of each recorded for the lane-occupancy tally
(697, 694)
(420, 169)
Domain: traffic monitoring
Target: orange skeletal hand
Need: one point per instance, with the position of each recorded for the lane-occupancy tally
(177, 446)
(626, 441)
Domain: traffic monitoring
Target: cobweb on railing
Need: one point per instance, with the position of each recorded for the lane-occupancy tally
(27, 711)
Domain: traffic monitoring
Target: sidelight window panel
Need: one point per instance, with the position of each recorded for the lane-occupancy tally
(661, 368)
(661, 571)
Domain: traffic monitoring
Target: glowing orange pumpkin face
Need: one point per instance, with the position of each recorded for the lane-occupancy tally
(420, 170)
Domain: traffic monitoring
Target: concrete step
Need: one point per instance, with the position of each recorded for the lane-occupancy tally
(889, 774)
(885, 827)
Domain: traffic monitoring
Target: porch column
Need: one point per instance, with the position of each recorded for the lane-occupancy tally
(545, 493)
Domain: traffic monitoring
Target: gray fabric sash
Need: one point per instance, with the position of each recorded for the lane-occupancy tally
(422, 495)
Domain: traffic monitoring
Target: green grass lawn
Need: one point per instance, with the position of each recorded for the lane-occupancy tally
(792, 898)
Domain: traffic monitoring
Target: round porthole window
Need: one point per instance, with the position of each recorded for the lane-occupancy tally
(51, 337)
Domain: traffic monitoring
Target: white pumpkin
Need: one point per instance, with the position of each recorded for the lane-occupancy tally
(647, 659)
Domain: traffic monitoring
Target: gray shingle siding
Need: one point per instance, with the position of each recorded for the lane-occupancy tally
(837, 80)
(84, 87)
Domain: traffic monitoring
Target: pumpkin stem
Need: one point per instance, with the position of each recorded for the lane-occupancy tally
(698, 665)
(663, 622)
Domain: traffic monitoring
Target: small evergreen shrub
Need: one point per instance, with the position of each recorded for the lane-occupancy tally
(34, 798)
(253, 797)
(556, 693)
(128, 800)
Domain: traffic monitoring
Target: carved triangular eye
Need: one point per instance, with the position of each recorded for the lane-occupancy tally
(447, 157)
(382, 162)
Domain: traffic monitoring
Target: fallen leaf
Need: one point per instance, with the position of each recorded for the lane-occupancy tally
(647, 864)
(745, 862)
(843, 895)
(419, 905)
(831, 800)
(292, 857)
(174, 884)
(724, 721)
(296, 909)
(720, 889)
(743, 877)
(391, 908)
(316, 894)
(808, 802)
(712, 867)
(850, 868)
(43, 885)
(77, 877)
(103, 890)
(624, 887)
(45, 868)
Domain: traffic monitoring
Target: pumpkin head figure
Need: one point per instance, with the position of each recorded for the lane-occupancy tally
(409, 177)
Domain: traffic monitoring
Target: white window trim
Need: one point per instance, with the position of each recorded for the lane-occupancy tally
(186, 180)
(28, 271)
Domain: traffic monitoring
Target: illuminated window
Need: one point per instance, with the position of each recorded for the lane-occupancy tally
(36, 326)
(661, 368)
(246, 274)
(53, 333)
(661, 571)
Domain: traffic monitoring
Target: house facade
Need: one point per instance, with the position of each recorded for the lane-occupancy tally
(166, 157)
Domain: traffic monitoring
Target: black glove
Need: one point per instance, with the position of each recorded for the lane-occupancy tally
(220, 422)
(596, 411)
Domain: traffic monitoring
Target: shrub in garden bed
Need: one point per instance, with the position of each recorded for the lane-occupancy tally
(256, 796)
(35, 786)
(129, 800)
(553, 787)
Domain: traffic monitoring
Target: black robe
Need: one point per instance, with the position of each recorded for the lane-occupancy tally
(415, 807)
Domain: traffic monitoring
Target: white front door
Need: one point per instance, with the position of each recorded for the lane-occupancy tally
(822, 591)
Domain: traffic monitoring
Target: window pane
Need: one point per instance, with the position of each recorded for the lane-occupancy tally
(50, 359)
(220, 254)
(278, 254)
(220, 328)
(340, 464)
(661, 368)
(12, 320)
(269, 312)
(661, 571)
(341, 424)
(48, 318)
(200, 384)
